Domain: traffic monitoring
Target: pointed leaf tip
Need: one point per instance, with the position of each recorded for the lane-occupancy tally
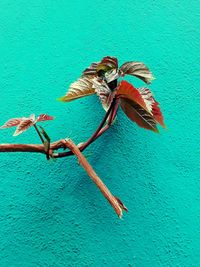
(44, 117)
(137, 69)
(80, 88)
(11, 123)
(61, 99)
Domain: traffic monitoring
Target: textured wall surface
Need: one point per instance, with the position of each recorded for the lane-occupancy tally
(51, 214)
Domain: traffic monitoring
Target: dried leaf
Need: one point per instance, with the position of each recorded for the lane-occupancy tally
(44, 117)
(82, 87)
(11, 123)
(138, 69)
(25, 125)
(139, 115)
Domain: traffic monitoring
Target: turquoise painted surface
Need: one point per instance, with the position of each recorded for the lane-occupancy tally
(50, 213)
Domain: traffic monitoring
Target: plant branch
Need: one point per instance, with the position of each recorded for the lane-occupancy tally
(83, 146)
(114, 201)
(75, 150)
(111, 118)
(39, 148)
(34, 148)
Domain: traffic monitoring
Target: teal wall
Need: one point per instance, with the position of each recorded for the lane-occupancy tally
(51, 214)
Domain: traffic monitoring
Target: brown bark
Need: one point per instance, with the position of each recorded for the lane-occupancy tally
(39, 148)
(114, 202)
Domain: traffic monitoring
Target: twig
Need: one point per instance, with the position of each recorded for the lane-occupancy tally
(100, 130)
(75, 150)
(110, 120)
(33, 148)
(39, 148)
(115, 202)
(22, 148)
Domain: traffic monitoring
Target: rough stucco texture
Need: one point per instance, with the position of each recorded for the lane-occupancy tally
(51, 214)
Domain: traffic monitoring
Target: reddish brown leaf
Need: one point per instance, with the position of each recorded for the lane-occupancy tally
(106, 64)
(11, 123)
(158, 115)
(110, 61)
(24, 125)
(44, 117)
(137, 69)
(127, 90)
(143, 97)
(92, 69)
(138, 114)
(152, 105)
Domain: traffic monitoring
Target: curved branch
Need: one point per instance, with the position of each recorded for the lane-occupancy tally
(108, 119)
(76, 150)
(39, 148)
(114, 201)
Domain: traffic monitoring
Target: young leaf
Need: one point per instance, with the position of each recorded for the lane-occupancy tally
(11, 123)
(24, 125)
(127, 90)
(110, 61)
(106, 64)
(143, 97)
(103, 91)
(82, 87)
(157, 114)
(111, 75)
(137, 69)
(152, 105)
(44, 117)
(91, 70)
(139, 115)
